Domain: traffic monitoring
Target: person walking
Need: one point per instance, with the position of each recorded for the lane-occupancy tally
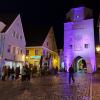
(17, 72)
(23, 74)
(28, 73)
(8, 72)
(3, 73)
(12, 73)
(71, 74)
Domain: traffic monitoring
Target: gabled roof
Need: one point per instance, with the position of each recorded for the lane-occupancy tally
(7, 19)
(37, 37)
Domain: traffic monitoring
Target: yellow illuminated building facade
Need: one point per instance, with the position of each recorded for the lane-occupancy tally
(46, 48)
(33, 56)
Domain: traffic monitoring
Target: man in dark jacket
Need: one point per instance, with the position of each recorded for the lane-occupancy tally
(71, 74)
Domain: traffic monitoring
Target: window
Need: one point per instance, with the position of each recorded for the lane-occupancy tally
(14, 34)
(36, 52)
(86, 45)
(17, 50)
(21, 51)
(21, 37)
(9, 48)
(14, 49)
(17, 36)
(70, 46)
(27, 52)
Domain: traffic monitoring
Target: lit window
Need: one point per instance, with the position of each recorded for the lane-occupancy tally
(14, 49)
(86, 45)
(27, 52)
(36, 52)
(18, 50)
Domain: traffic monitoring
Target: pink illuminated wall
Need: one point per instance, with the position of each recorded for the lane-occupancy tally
(79, 41)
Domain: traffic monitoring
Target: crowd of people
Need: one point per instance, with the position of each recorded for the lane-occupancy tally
(24, 74)
(27, 72)
(8, 73)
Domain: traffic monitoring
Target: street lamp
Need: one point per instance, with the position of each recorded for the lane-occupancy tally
(98, 48)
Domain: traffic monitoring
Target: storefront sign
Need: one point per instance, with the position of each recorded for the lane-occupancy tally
(35, 57)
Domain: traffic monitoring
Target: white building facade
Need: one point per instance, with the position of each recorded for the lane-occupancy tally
(13, 45)
(79, 39)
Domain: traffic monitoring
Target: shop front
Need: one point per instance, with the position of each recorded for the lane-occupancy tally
(15, 64)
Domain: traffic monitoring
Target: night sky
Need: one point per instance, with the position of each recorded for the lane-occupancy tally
(38, 15)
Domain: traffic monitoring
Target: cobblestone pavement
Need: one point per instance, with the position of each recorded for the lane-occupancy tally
(96, 86)
(47, 88)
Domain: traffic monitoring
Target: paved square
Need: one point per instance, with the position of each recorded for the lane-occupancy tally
(47, 88)
(96, 86)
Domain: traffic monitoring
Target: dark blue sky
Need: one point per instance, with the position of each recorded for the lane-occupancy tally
(39, 15)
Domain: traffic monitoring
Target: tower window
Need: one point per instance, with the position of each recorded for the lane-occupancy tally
(86, 45)
(70, 46)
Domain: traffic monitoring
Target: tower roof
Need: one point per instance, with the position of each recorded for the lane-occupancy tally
(79, 13)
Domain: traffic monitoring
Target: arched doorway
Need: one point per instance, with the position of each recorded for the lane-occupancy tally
(79, 64)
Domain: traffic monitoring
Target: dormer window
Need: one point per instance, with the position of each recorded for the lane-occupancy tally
(14, 34)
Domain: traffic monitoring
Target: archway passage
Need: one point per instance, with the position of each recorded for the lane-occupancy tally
(79, 64)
